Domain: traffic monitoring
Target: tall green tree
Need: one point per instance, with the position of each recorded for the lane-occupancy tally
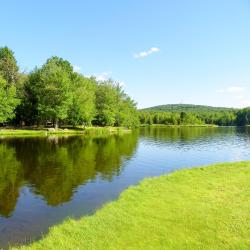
(82, 109)
(27, 110)
(243, 117)
(126, 114)
(8, 65)
(52, 88)
(114, 107)
(8, 100)
(106, 103)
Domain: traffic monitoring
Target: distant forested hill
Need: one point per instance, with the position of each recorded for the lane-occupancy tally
(189, 114)
(191, 108)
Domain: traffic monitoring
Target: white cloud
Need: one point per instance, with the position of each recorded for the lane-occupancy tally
(146, 53)
(231, 89)
(121, 84)
(245, 102)
(76, 68)
(220, 91)
(103, 76)
(239, 97)
(234, 89)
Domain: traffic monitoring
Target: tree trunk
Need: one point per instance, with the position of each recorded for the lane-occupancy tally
(56, 123)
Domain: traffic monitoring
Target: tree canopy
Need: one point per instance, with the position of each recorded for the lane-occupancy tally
(8, 65)
(56, 94)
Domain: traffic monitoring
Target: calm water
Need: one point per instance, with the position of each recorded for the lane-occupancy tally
(45, 180)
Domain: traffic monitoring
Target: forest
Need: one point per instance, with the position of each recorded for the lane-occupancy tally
(56, 94)
(188, 114)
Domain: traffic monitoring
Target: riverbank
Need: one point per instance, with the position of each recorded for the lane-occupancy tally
(65, 131)
(199, 208)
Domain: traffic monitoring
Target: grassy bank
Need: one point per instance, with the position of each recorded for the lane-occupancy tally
(200, 208)
(76, 131)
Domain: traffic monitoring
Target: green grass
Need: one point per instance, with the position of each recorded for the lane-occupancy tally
(77, 131)
(199, 208)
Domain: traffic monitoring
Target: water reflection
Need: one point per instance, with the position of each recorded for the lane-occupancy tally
(54, 167)
(201, 138)
(11, 176)
(45, 180)
(186, 134)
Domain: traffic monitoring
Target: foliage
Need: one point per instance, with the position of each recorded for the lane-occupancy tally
(82, 108)
(8, 100)
(56, 94)
(52, 88)
(114, 107)
(192, 116)
(200, 208)
(243, 117)
(8, 66)
(187, 108)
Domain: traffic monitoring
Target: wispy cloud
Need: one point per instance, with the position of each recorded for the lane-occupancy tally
(220, 91)
(231, 89)
(146, 53)
(245, 103)
(234, 89)
(104, 76)
(76, 68)
(240, 97)
(237, 94)
(121, 84)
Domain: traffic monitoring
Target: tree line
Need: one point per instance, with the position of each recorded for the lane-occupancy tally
(220, 118)
(56, 94)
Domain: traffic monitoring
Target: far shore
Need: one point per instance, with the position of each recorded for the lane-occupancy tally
(41, 131)
(186, 125)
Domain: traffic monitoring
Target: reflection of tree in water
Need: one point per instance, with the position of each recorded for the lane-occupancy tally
(55, 167)
(184, 134)
(10, 179)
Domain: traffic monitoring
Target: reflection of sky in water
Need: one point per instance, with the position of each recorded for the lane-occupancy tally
(118, 163)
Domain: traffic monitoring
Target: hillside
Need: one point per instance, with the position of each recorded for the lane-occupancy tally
(189, 108)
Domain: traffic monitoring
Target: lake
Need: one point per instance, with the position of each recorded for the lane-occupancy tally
(47, 179)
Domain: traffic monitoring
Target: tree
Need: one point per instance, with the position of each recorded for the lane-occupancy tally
(82, 110)
(114, 107)
(126, 114)
(8, 100)
(243, 117)
(8, 66)
(106, 104)
(27, 110)
(52, 88)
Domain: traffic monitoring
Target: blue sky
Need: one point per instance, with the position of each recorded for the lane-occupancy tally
(195, 51)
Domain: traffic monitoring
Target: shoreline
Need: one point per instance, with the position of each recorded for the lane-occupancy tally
(10, 132)
(186, 126)
(201, 207)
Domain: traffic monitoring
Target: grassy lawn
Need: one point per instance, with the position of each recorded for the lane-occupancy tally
(199, 208)
(79, 130)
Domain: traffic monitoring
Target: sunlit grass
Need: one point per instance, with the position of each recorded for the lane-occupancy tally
(200, 208)
(65, 131)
